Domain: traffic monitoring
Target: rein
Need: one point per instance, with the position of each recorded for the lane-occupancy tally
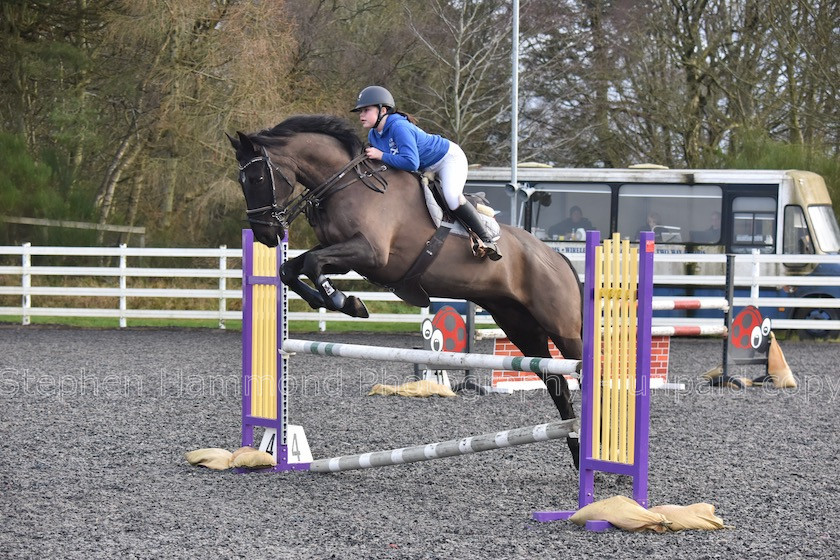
(365, 172)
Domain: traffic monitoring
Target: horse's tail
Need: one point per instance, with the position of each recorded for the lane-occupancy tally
(580, 288)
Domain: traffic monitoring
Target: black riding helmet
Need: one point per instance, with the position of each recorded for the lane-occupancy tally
(376, 96)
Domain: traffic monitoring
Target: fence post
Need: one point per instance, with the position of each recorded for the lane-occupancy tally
(26, 284)
(754, 290)
(123, 267)
(725, 378)
(222, 285)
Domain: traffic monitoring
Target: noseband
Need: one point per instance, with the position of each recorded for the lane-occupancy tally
(283, 216)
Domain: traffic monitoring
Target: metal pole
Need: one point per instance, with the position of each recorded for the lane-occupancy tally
(455, 360)
(469, 378)
(724, 380)
(451, 448)
(514, 111)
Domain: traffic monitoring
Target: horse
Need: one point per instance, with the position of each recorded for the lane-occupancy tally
(374, 220)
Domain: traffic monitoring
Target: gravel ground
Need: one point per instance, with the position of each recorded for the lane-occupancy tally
(95, 424)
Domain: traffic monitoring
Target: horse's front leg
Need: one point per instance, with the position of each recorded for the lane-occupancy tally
(290, 272)
(352, 254)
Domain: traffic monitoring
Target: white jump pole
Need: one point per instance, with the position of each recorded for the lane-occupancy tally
(454, 360)
(464, 446)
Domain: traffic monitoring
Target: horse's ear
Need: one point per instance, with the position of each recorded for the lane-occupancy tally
(246, 144)
(233, 141)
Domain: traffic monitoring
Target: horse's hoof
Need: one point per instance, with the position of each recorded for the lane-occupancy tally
(574, 447)
(355, 308)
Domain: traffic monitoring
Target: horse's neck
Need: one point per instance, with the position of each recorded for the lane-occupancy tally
(317, 161)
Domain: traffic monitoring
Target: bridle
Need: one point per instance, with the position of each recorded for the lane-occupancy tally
(276, 213)
(365, 172)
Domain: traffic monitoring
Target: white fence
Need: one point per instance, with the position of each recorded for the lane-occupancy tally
(116, 266)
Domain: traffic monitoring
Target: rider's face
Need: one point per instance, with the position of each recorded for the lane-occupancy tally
(368, 116)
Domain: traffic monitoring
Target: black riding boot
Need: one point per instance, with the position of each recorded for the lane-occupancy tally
(470, 218)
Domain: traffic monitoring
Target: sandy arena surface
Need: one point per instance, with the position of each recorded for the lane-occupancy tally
(95, 424)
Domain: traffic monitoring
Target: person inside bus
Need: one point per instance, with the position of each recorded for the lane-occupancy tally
(570, 226)
(710, 235)
(803, 242)
(714, 230)
(652, 221)
(398, 142)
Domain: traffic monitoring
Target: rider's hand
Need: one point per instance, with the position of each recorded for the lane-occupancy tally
(373, 153)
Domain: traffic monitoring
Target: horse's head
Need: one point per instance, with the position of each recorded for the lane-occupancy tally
(264, 184)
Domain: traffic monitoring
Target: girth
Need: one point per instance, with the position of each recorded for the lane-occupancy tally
(408, 288)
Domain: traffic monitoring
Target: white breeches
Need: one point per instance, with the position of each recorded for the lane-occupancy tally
(452, 170)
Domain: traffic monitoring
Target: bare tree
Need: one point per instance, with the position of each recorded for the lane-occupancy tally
(465, 89)
(569, 61)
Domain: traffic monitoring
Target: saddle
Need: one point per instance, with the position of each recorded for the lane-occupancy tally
(439, 211)
(408, 288)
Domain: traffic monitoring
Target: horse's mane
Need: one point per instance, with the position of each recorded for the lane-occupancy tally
(323, 124)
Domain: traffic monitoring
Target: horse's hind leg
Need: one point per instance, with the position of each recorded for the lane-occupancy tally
(531, 339)
(571, 349)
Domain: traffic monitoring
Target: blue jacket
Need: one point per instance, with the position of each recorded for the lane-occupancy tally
(407, 146)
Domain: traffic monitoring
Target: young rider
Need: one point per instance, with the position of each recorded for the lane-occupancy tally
(397, 141)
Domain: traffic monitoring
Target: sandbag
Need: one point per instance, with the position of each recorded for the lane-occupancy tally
(240, 451)
(713, 373)
(622, 512)
(696, 516)
(716, 372)
(424, 388)
(777, 366)
(213, 458)
(253, 460)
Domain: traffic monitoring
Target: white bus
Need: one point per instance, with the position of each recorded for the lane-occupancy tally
(690, 211)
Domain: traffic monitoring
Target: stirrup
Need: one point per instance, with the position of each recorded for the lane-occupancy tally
(484, 249)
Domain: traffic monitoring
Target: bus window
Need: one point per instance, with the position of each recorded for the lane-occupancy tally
(797, 238)
(573, 207)
(826, 230)
(754, 224)
(675, 213)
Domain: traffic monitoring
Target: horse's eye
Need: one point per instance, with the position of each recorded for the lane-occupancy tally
(244, 180)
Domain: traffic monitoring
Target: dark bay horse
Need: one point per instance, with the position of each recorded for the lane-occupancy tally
(374, 220)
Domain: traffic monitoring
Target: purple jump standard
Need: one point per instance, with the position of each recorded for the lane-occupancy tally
(634, 462)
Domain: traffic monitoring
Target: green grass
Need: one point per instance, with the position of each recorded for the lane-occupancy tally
(294, 326)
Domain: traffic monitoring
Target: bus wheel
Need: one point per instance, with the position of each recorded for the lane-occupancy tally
(824, 314)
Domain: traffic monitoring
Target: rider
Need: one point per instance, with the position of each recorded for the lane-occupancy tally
(397, 141)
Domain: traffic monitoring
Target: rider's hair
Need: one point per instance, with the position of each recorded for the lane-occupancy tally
(410, 117)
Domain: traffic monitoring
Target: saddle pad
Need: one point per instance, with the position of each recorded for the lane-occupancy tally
(436, 212)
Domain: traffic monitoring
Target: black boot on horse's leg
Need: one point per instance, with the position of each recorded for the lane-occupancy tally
(349, 305)
(470, 218)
